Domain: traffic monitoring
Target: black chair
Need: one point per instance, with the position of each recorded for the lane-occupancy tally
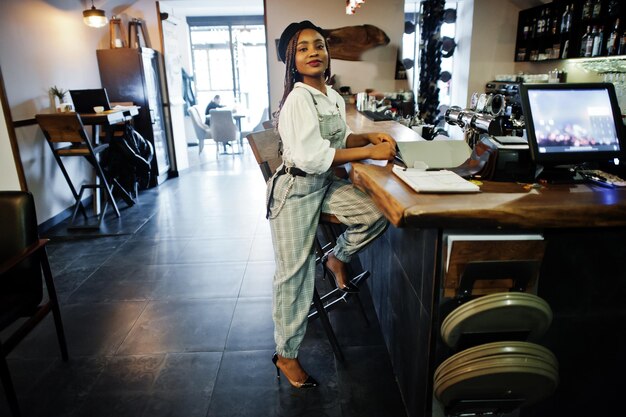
(23, 257)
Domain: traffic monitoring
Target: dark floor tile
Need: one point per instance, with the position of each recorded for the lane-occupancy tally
(247, 386)
(180, 326)
(189, 372)
(216, 250)
(177, 404)
(70, 279)
(166, 229)
(148, 252)
(262, 249)
(121, 283)
(82, 252)
(90, 329)
(257, 281)
(227, 227)
(201, 281)
(105, 404)
(133, 373)
(60, 387)
(252, 327)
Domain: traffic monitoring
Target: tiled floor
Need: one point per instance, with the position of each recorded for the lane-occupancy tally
(169, 315)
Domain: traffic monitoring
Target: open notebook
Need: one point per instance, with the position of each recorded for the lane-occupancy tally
(441, 181)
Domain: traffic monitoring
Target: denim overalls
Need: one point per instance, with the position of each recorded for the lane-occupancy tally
(295, 208)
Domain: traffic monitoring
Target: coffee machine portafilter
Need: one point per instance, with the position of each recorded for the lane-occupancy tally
(475, 123)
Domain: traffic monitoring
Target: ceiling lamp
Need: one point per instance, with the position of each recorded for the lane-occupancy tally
(352, 5)
(94, 17)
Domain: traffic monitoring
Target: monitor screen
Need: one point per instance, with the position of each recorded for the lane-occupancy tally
(572, 124)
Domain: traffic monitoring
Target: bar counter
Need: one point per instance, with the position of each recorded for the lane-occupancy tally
(581, 277)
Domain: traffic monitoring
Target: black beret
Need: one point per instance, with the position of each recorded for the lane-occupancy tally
(290, 31)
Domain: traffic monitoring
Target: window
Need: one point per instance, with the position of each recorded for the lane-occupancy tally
(229, 59)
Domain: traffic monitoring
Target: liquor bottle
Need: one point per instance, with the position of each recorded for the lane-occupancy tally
(526, 31)
(541, 23)
(533, 28)
(587, 10)
(589, 43)
(622, 45)
(547, 28)
(613, 8)
(565, 52)
(554, 29)
(612, 43)
(598, 42)
(584, 41)
(597, 9)
(565, 19)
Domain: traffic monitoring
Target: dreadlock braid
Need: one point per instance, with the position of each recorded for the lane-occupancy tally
(291, 73)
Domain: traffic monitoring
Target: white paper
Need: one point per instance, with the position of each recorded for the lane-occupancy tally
(442, 181)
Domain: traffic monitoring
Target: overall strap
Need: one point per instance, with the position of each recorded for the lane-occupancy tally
(315, 102)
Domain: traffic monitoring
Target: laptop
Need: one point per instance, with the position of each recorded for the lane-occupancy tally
(85, 100)
(434, 153)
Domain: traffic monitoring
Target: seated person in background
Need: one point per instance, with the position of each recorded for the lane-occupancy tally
(213, 104)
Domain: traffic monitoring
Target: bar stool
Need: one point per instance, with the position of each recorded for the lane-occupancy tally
(68, 129)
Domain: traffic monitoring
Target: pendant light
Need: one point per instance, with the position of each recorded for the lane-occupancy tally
(94, 17)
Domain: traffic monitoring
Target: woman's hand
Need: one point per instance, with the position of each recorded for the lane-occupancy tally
(383, 150)
(377, 137)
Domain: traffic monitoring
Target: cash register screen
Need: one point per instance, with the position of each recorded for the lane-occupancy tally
(570, 124)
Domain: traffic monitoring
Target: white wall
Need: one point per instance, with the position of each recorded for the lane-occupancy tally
(44, 43)
(492, 42)
(9, 180)
(377, 68)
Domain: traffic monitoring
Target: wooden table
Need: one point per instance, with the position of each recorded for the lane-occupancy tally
(107, 119)
(584, 227)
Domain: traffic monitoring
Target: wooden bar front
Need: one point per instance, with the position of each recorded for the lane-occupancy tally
(581, 277)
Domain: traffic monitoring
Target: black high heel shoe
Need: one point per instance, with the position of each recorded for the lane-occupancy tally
(309, 383)
(349, 288)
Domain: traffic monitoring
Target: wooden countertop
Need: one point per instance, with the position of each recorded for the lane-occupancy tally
(499, 204)
(361, 124)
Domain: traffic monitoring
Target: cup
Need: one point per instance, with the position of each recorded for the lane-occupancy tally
(65, 107)
(98, 109)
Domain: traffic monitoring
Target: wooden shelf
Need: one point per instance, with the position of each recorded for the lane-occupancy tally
(549, 44)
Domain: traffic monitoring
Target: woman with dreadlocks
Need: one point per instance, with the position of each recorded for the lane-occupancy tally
(315, 138)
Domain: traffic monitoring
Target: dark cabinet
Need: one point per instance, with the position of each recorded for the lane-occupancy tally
(571, 29)
(130, 74)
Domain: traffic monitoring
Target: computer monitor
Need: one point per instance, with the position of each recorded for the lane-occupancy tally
(572, 124)
(85, 100)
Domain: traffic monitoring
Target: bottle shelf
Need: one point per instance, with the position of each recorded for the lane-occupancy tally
(558, 30)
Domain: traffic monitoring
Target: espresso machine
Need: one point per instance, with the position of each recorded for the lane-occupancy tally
(510, 91)
(488, 121)
(487, 115)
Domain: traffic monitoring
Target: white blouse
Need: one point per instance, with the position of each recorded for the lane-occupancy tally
(303, 145)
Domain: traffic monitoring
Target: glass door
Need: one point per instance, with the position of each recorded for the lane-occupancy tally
(230, 61)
